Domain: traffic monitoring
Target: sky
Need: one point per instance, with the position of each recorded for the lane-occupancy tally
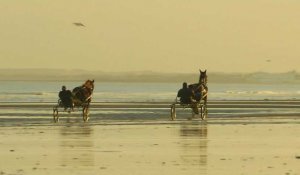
(151, 35)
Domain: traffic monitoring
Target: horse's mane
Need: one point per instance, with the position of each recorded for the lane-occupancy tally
(84, 92)
(202, 84)
(89, 84)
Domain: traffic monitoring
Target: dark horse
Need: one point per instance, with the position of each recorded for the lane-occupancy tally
(200, 89)
(83, 94)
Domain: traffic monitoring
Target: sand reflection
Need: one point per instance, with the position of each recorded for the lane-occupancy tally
(194, 145)
(77, 145)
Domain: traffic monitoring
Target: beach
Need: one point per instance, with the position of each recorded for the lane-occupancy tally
(114, 87)
(131, 87)
(269, 145)
(130, 131)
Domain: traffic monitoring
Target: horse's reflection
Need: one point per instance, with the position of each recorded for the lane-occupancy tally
(77, 145)
(194, 144)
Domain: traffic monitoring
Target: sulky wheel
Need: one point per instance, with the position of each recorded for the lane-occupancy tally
(85, 113)
(55, 115)
(203, 112)
(173, 112)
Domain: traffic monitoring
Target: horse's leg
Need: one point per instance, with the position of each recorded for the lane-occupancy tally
(195, 108)
(205, 98)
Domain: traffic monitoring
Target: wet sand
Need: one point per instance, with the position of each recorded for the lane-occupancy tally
(293, 104)
(216, 146)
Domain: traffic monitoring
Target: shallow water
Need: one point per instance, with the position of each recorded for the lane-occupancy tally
(45, 91)
(42, 113)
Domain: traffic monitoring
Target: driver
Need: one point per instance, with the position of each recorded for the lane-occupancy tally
(185, 94)
(66, 97)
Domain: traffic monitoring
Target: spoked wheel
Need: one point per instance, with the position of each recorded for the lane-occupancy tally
(85, 113)
(196, 110)
(55, 115)
(173, 112)
(203, 112)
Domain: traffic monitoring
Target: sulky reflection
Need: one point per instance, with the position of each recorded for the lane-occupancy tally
(77, 145)
(194, 145)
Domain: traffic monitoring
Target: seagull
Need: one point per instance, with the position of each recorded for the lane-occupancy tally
(79, 24)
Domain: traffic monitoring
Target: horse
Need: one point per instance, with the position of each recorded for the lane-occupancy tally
(200, 90)
(82, 94)
(201, 87)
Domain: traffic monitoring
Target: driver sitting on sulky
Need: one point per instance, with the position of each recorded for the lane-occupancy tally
(185, 94)
(66, 97)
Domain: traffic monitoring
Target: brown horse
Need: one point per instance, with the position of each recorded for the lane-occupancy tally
(200, 89)
(82, 94)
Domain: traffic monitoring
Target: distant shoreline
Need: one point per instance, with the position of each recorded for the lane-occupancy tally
(291, 77)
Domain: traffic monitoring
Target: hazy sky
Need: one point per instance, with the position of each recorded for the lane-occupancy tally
(153, 35)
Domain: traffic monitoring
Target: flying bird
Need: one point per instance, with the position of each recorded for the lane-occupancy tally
(79, 24)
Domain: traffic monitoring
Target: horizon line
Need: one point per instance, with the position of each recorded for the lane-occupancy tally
(143, 71)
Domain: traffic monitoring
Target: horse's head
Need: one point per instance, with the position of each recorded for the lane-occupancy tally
(89, 84)
(203, 77)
